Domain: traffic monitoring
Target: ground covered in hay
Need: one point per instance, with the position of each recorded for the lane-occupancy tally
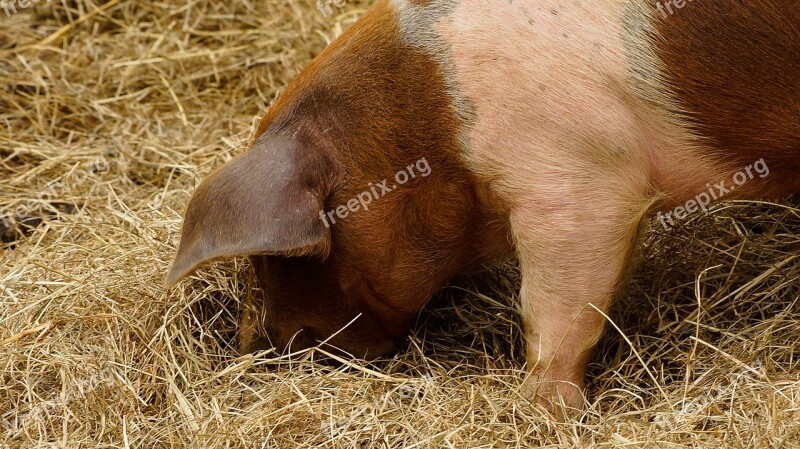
(111, 112)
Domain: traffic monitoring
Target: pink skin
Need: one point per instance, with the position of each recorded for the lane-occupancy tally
(580, 134)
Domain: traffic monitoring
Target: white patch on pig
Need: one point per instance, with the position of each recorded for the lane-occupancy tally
(609, 38)
(574, 129)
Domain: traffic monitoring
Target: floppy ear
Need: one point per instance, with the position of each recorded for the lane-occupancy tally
(266, 201)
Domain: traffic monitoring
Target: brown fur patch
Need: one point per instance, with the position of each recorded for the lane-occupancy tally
(377, 104)
(735, 69)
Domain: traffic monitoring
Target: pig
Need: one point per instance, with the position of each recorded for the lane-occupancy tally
(554, 132)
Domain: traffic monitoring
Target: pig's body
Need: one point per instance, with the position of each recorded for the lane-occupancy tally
(573, 122)
(553, 129)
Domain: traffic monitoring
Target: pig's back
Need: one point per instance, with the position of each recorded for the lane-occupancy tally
(689, 94)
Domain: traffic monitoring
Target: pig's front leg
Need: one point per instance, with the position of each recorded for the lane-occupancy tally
(575, 233)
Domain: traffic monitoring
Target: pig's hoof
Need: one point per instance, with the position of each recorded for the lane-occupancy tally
(562, 398)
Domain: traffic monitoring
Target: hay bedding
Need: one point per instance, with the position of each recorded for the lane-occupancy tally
(94, 352)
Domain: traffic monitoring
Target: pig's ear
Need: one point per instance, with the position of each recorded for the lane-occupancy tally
(266, 201)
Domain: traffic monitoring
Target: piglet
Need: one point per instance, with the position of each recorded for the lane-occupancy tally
(548, 130)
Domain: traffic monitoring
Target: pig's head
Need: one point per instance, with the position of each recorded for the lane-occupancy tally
(334, 250)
